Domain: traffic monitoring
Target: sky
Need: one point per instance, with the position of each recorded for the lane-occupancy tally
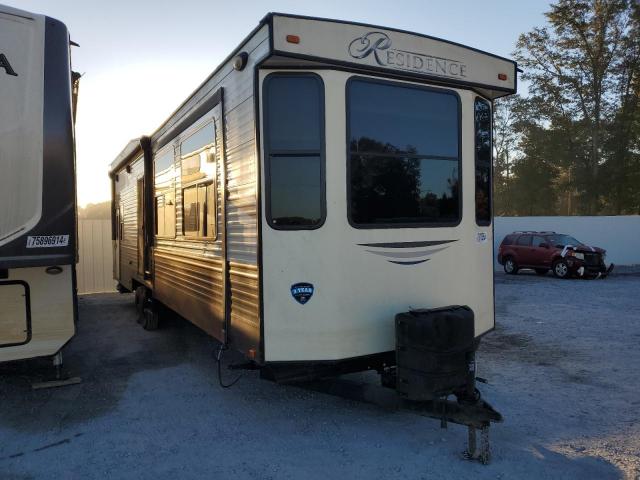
(141, 58)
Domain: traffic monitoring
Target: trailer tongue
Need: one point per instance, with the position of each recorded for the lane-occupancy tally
(435, 359)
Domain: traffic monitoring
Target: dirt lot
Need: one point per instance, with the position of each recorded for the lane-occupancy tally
(562, 366)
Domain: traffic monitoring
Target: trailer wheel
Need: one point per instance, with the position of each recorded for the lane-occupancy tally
(542, 271)
(140, 300)
(149, 318)
(510, 266)
(561, 269)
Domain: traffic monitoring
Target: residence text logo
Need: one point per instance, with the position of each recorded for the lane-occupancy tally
(378, 45)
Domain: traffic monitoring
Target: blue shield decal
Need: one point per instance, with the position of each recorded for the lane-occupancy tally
(302, 292)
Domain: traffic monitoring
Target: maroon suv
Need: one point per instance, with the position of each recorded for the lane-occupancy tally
(544, 251)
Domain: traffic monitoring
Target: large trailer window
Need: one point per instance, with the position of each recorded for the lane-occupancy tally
(294, 144)
(404, 155)
(483, 161)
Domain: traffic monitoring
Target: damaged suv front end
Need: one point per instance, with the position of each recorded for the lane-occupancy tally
(585, 261)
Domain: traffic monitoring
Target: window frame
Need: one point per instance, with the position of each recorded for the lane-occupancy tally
(483, 223)
(267, 150)
(206, 182)
(395, 83)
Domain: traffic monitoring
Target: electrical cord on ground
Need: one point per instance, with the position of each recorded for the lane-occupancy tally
(218, 358)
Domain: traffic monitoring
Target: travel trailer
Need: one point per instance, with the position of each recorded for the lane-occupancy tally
(322, 204)
(37, 187)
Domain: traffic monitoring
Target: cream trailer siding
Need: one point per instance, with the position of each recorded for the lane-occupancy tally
(329, 291)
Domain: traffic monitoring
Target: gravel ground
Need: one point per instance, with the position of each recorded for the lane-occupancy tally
(562, 367)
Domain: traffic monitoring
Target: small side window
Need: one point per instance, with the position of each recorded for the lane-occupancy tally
(294, 144)
(524, 240)
(482, 111)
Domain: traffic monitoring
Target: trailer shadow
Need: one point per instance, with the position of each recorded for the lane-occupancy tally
(108, 349)
(150, 403)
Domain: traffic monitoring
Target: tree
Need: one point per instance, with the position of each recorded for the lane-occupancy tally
(573, 66)
(505, 145)
(622, 169)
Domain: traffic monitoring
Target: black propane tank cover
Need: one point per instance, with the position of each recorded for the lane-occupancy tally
(432, 348)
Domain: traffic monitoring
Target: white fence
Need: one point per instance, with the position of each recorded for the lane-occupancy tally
(95, 268)
(619, 236)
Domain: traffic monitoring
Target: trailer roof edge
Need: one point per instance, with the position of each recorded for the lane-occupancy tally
(399, 30)
(128, 152)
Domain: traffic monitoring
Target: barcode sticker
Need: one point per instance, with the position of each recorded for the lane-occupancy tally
(47, 241)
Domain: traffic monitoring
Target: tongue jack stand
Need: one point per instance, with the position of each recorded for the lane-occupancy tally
(483, 452)
(60, 379)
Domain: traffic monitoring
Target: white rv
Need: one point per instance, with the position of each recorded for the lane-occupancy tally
(325, 178)
(37, 186)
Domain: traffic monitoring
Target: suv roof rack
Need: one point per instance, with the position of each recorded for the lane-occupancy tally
(534, 231)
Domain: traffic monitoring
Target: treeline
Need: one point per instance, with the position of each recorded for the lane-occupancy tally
(572, 145)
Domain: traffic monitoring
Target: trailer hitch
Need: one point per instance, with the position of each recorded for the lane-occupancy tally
(474, 414)
(470, 411)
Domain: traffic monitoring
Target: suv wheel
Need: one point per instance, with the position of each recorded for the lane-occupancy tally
(561, 269)
(510, 266)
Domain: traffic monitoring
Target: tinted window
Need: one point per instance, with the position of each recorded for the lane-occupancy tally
(508, 240)
(403, 154)
(483, 161)
(294, 112)
(524, 240)
(294, 142)
(295, 190)
(537, 241)
(564, 240)
(393, 118)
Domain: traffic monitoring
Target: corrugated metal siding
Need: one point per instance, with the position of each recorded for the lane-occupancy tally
(127, 195)
(172, 283)
(188, 275)
(94, 269)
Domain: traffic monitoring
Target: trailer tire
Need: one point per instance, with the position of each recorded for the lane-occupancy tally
(510, 266)
(150, 319)
(542, 271)
(140, 301)
(560, 269)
